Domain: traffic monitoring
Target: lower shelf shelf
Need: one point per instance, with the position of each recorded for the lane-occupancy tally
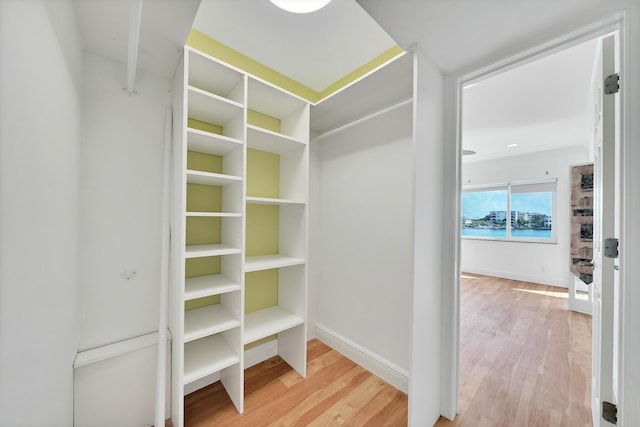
(207, 356)
(204, 286)
(262, 323)
(266, 262)
(209, 320)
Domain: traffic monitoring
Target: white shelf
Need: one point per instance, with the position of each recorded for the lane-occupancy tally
(205, 321)
(210, 108)
(207, 356)
(268, 201)
(271, 101)
(262, 323)
(214, 214)
(205, 286)
(208, 74)
(217, 249)
(210, 143)
(273, 142)
(266, 262)
(208, 178)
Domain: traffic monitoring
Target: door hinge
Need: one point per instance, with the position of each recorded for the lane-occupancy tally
(610, 412)
(611, 248)
(612, 84)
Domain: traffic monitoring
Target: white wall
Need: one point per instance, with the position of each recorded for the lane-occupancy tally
(428, 198)
(533, 262)
(361, 279)
(40, 80)
(121, 176)
(121, 200)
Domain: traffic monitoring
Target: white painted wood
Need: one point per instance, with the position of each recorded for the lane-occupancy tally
(372, 362)
(208, 178)
(273, 102)
(108, 351)
(210, 108)
(294, 174)
(214, 214)
(206, 356)
(262, 323)
(211, 143)
(267, 262)
(273, 142)
(215, 249)
(602, 382)
(209, 75)
(205, 321)
(260, 353)
(204, 286)
(269, 201)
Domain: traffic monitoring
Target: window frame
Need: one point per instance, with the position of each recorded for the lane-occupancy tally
(552, 183)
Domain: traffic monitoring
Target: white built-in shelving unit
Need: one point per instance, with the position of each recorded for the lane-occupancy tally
(219, 255)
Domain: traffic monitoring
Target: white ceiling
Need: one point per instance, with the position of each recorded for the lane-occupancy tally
(314, 49)
(165, 24)
(540, 106)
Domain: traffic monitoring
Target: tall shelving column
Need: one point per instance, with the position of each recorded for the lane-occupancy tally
(208, 228)
(276, 221)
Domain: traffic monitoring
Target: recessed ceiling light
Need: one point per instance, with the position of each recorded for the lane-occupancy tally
(300, 6)
(512, 145)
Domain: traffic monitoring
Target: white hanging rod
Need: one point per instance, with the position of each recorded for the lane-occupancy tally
(363, 119)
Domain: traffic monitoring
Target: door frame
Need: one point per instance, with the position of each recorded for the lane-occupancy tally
(454, 83)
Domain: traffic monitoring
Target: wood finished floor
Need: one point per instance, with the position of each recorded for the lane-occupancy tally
(525, 361)
(335, 392)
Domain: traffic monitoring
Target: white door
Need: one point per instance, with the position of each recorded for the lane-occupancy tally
(604, 378)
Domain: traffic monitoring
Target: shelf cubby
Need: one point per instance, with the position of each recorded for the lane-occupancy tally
(209, 75)
(208, 320)
(207, 356)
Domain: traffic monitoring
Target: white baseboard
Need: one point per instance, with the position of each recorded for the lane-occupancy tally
(542, 280)
(253, 356)
(389, 372)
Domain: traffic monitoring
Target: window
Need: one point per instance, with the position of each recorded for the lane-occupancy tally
(518, 211)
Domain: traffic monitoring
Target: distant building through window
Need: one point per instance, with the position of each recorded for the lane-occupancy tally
(531, 208)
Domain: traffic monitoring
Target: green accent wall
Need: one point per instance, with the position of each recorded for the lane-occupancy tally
(204, 198)
(195, 267)
(261, 290)
(204, 126)
(201, 302)
(262, 236)
(204, 162)
(263, 174)
(263, 121)
(202, 230)
(208, 45)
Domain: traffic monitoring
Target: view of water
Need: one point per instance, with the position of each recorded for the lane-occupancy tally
(502, 233)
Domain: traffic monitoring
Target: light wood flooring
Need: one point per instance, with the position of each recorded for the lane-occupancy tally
(335, 392)
(525, 361)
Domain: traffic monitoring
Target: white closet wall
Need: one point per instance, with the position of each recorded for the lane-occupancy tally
(365, 250)
(40, 113)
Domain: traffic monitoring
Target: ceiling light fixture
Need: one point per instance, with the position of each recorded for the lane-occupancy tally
(512, 145)
(300, 6)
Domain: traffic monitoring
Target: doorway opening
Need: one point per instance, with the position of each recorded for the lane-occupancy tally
(516, 223)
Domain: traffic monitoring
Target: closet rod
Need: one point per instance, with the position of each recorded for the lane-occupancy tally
(135, 17)
(362, 119)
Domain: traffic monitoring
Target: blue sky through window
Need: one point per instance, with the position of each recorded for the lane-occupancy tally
(478, 204)
(532, 202)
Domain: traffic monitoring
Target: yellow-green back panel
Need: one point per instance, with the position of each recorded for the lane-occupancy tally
(203, 198)
(204, 266)
(262, 236)
(204, 162)
(263, 174)
(201, 302)
(202, 230)
(261, 290)
(204, 126)
(263, 121)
